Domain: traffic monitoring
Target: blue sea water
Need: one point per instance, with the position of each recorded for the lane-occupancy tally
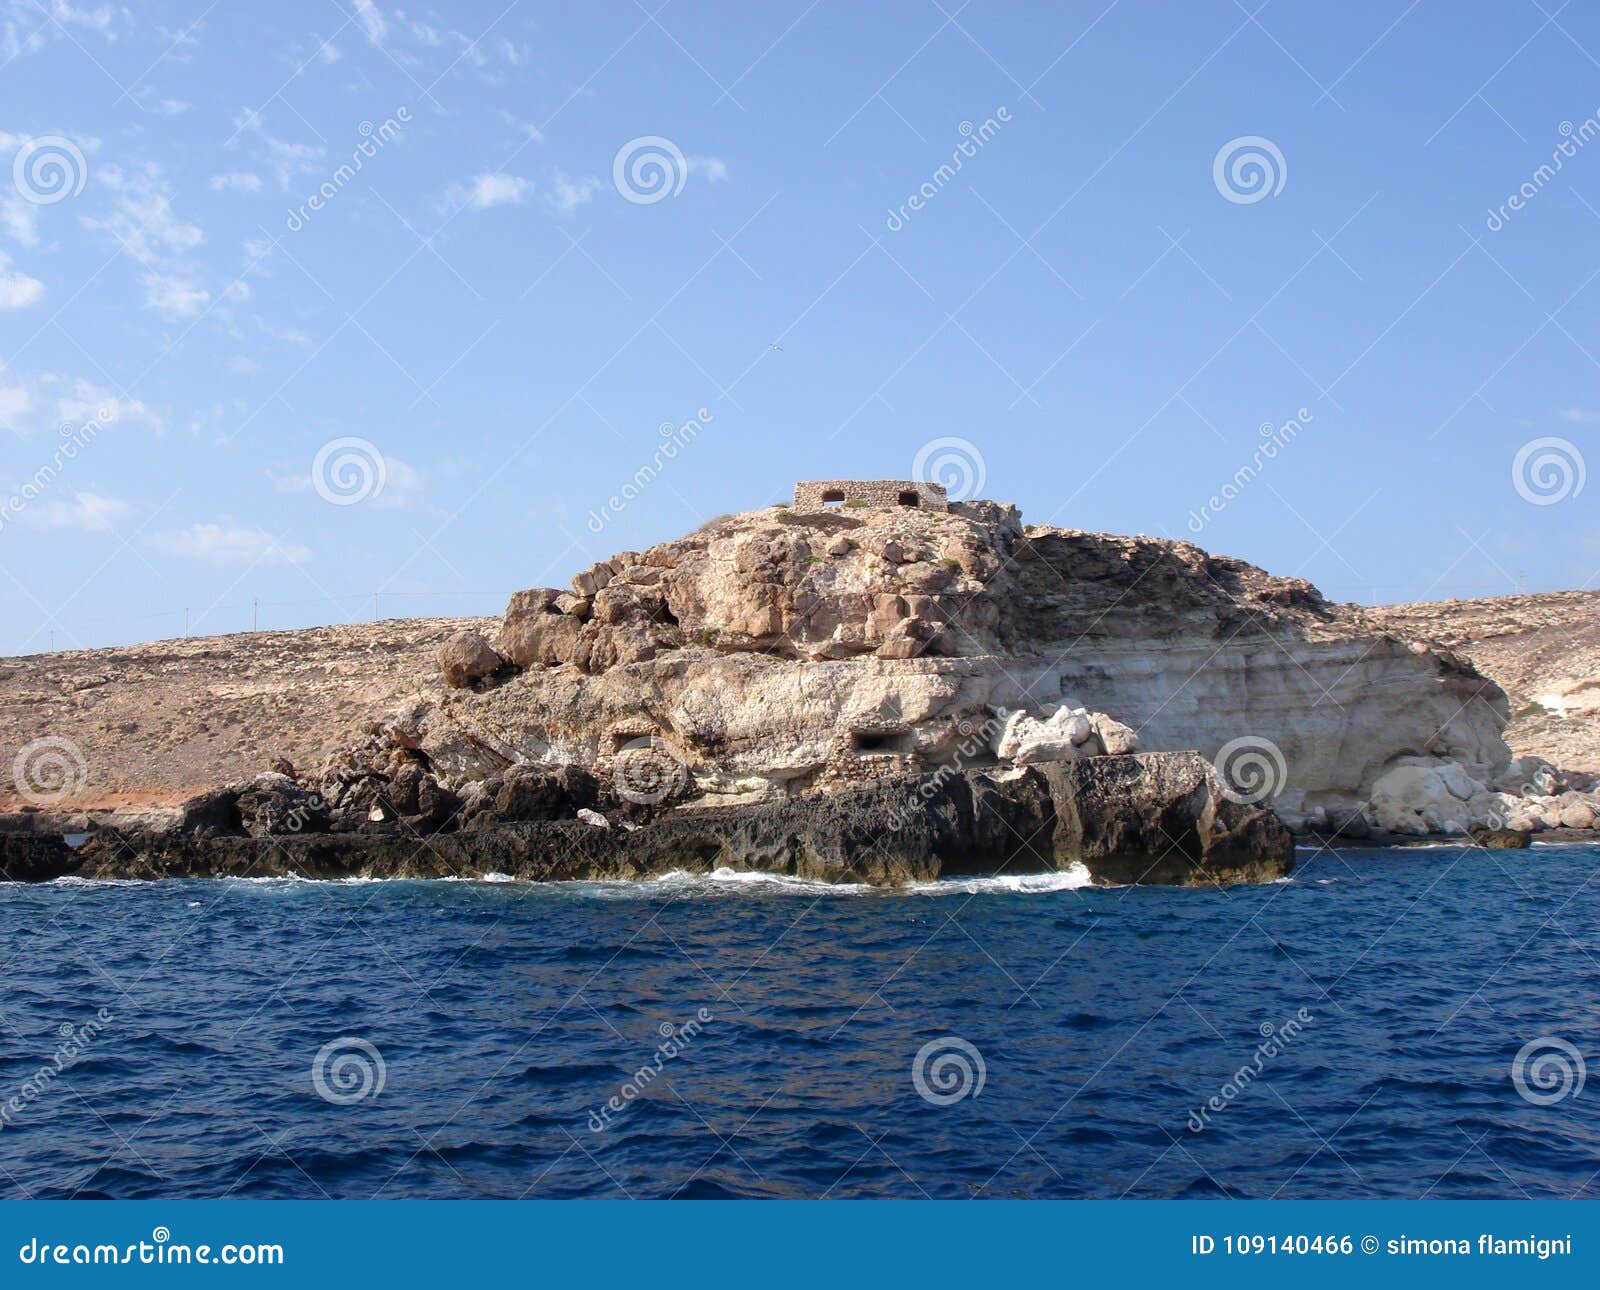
(988, 1038)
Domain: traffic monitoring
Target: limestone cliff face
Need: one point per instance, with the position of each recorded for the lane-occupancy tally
(772, 653)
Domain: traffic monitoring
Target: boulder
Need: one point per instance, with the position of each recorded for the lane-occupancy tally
(1063, 736)
(1115, 737)
(1162, 817)
(539, 638)
(271, 805)
(526, 793)
(1422, 796)
(1500, 839)
(467, 658)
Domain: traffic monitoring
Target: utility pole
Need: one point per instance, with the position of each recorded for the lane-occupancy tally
(185, 624)
(255, 611)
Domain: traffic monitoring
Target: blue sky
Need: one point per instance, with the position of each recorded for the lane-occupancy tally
(502, 310)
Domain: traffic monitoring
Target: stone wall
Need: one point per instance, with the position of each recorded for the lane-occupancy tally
(814, 495)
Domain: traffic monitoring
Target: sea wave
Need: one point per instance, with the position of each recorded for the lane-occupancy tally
(1073, 878)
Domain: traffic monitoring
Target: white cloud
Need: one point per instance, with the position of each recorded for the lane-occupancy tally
(236, 181)
(21, 220)
(496, 190)
(1582, 416)
(17, 289)
(90, 512)
(715, 169)
(172, 296)
(566, 195)
(371, 19)
(15, 403)
(142, 220)
(229, 544)
(242, 365)
(285, 159)
(75, 405)
(89, 402)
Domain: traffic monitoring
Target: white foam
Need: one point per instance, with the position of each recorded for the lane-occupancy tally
(72, 880)
(1073, 878)
(742, 878)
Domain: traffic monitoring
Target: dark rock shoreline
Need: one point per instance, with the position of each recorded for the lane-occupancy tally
(1137, 818)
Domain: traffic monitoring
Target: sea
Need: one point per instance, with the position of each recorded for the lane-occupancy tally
(1383, 1023)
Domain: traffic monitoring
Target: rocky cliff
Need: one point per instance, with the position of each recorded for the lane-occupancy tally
(774, 653)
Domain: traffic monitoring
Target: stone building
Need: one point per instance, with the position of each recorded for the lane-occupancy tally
(825, 494)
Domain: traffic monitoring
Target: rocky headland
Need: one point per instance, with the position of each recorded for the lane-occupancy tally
(879, 691)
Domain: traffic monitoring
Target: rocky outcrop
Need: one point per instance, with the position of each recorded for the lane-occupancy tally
(776, 653)
(1156, 817)
(778, 657)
